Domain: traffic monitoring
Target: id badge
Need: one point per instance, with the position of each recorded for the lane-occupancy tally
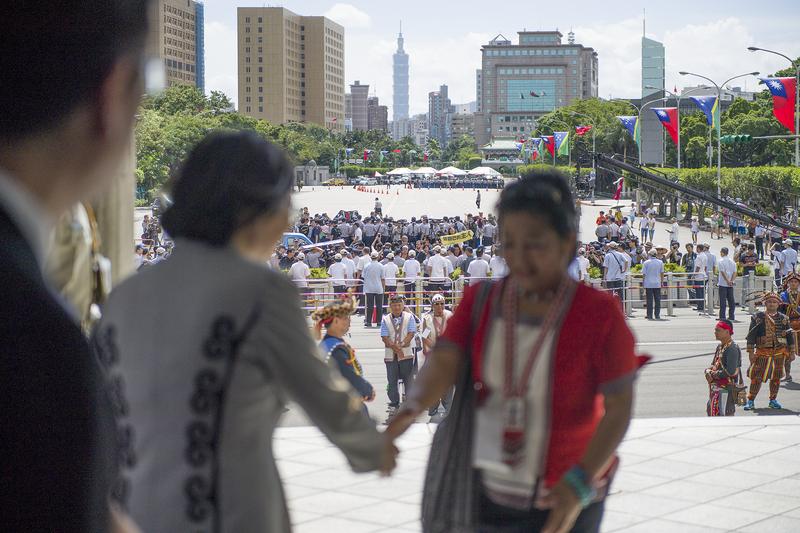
(513, 447)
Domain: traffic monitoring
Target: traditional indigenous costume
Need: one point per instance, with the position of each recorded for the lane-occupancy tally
(336, 349)
(721, 376)
(791, 308)
(432, 328)
(772, 339)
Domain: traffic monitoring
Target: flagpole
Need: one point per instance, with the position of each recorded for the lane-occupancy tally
(796, 66)
(719, 121)
(639, 116)
(594, 131)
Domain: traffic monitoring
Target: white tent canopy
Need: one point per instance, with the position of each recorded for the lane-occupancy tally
(453, 171)
(403, 171)
(378, 174)
(483, 171)
(425, 171)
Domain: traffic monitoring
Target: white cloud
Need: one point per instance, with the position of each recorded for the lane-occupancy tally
(349, 16)
(221, 59)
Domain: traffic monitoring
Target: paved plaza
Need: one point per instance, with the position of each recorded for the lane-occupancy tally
(677, 475)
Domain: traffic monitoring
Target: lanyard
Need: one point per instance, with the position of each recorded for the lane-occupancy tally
(510, 311)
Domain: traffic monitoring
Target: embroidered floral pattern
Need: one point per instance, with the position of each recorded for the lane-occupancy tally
(202, 432)
(107, 351)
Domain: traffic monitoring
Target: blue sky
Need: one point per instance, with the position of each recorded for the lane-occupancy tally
(443, 39)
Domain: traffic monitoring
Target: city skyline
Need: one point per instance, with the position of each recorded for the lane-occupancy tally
(443, 52)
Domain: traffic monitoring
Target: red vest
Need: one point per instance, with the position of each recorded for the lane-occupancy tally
(594, 353)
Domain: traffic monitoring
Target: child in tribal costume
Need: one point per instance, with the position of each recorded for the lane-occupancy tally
(723, 372)
(770, 341)
(791, 308)
(336, 319)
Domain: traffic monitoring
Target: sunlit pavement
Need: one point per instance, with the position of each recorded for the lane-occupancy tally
(677, 475)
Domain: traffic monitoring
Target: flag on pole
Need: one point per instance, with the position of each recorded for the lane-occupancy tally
(396, 151)
(783, 98)
(582, 130)
(562, 142)
(550, 144)
(618, 192)
(348, 151)
(709, 106)
(631, 123)
(382, 154)
(424, 156)
(669, 119)
(366, 155)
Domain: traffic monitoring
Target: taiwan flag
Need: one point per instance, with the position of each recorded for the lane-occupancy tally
(582, 130)
(669, 119)
(424, 156)
(783, 99)
(366, 155)
(550, 143)
(396, 151)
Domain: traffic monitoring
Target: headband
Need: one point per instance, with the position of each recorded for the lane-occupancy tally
(725, 326)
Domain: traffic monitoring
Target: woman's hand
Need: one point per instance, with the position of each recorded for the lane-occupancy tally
(564, 508)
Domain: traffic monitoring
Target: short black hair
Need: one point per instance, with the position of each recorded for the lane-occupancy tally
(544, 194)
(228, 180)
(56, 55)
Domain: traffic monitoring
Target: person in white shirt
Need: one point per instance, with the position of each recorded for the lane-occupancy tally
(497, 265)
(790, 257)
(695, 229)
(653, 278)
(726, 282)
(358, 234)
(299, 271)
(624, 230)
(439, 269)
(478, 269)
(411, 271)
(673, 231)
(711, 261)
(615, 265)
(583, 266)
(700, 278)
(432, 326)
(651, 227)
(390, 270)
(338, 273)
(778, 261)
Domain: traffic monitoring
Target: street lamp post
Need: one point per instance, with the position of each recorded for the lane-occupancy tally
(639, 110)
(719, 122)
(796, 66)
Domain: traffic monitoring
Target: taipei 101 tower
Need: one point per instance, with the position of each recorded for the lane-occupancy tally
(400, 81)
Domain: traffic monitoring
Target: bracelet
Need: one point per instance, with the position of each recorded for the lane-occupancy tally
(578, 480)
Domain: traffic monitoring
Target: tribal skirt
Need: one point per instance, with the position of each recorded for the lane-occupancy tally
(766, 368)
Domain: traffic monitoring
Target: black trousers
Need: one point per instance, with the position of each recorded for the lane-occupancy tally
(760, 247)
(386, 293)
(726, 298)
(653, 302)
(700, 295)
(617, 287)
(395, 371)
(374, 303)
(496, 518)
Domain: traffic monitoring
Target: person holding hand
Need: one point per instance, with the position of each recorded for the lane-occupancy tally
(543, 368)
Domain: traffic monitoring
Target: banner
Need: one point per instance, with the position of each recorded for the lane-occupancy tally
(457, 238)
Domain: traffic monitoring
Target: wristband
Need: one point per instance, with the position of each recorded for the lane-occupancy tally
(578, 480)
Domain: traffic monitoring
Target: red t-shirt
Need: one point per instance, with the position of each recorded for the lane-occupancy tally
(594, 353)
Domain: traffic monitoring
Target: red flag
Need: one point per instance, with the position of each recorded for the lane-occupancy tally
(582, 130)
(425, 156)
(618, 193)
(333, 119)
(366, 155)
(783, 97)
(396, 151)
(549, 141)
(669, 119)
(535, 155)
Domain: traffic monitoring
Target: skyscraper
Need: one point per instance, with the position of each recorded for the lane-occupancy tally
(520, 82)
(653, 64)
(377, 115)
(177, 39)
(291, 67)
(440, 116)
(400, 80)
(359, 94)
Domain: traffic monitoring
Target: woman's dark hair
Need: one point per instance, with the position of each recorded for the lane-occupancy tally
(543, 194)
(228, 180)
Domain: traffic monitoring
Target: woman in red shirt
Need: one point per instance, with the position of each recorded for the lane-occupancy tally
(544, 371)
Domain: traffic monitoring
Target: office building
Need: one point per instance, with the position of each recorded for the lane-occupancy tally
(377, 115)
(291, 67)
(357, 106)
(463, 124)
(399, 128)
(653, 79)
(418, 129)
(520, 82)
(400, 80)
(478, 89)
(464, 109)
(177, 38)
(440, 112)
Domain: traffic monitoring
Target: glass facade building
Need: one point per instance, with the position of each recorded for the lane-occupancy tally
(653, 68)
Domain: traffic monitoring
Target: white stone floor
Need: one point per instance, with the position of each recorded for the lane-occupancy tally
(737, 474)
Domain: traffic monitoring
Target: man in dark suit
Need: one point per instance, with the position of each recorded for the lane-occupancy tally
(73, 74)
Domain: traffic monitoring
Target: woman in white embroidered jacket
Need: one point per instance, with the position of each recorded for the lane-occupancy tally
(204, 350)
